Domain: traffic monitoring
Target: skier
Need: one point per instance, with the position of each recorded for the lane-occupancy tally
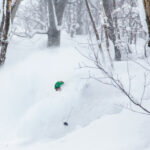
(58, 85)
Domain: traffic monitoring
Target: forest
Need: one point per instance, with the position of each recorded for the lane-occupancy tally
(74, 74)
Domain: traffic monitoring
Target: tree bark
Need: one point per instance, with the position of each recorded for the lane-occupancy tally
(95, 29)
(53, 37)
(56, 10)
(2, 21)
(8, 16)
(147, 10)
(79, 30)
(5, 31)
(108, 7)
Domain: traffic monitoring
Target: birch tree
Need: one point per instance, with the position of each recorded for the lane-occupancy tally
(8, 12)
(5, 25)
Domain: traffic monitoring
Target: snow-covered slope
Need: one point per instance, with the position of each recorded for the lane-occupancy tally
(32, 113)
(124, 131)
(31, 109)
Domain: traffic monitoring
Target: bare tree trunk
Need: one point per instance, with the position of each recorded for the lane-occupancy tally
(147, 10)
(95, 29)
(2, 21)
(56, 10)
(79, 30)
(108, 5)
(116, 22)
(53, 32)
(53, 37)
(8, 16)
(5, 31)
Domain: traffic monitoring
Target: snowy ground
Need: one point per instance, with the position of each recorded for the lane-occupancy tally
(32, 113)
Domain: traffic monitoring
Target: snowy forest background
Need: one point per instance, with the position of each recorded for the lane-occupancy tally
(100, 49)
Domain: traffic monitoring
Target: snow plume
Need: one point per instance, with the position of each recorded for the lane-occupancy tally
(33, 108)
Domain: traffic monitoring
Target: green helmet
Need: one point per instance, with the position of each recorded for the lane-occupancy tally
(58, 84)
